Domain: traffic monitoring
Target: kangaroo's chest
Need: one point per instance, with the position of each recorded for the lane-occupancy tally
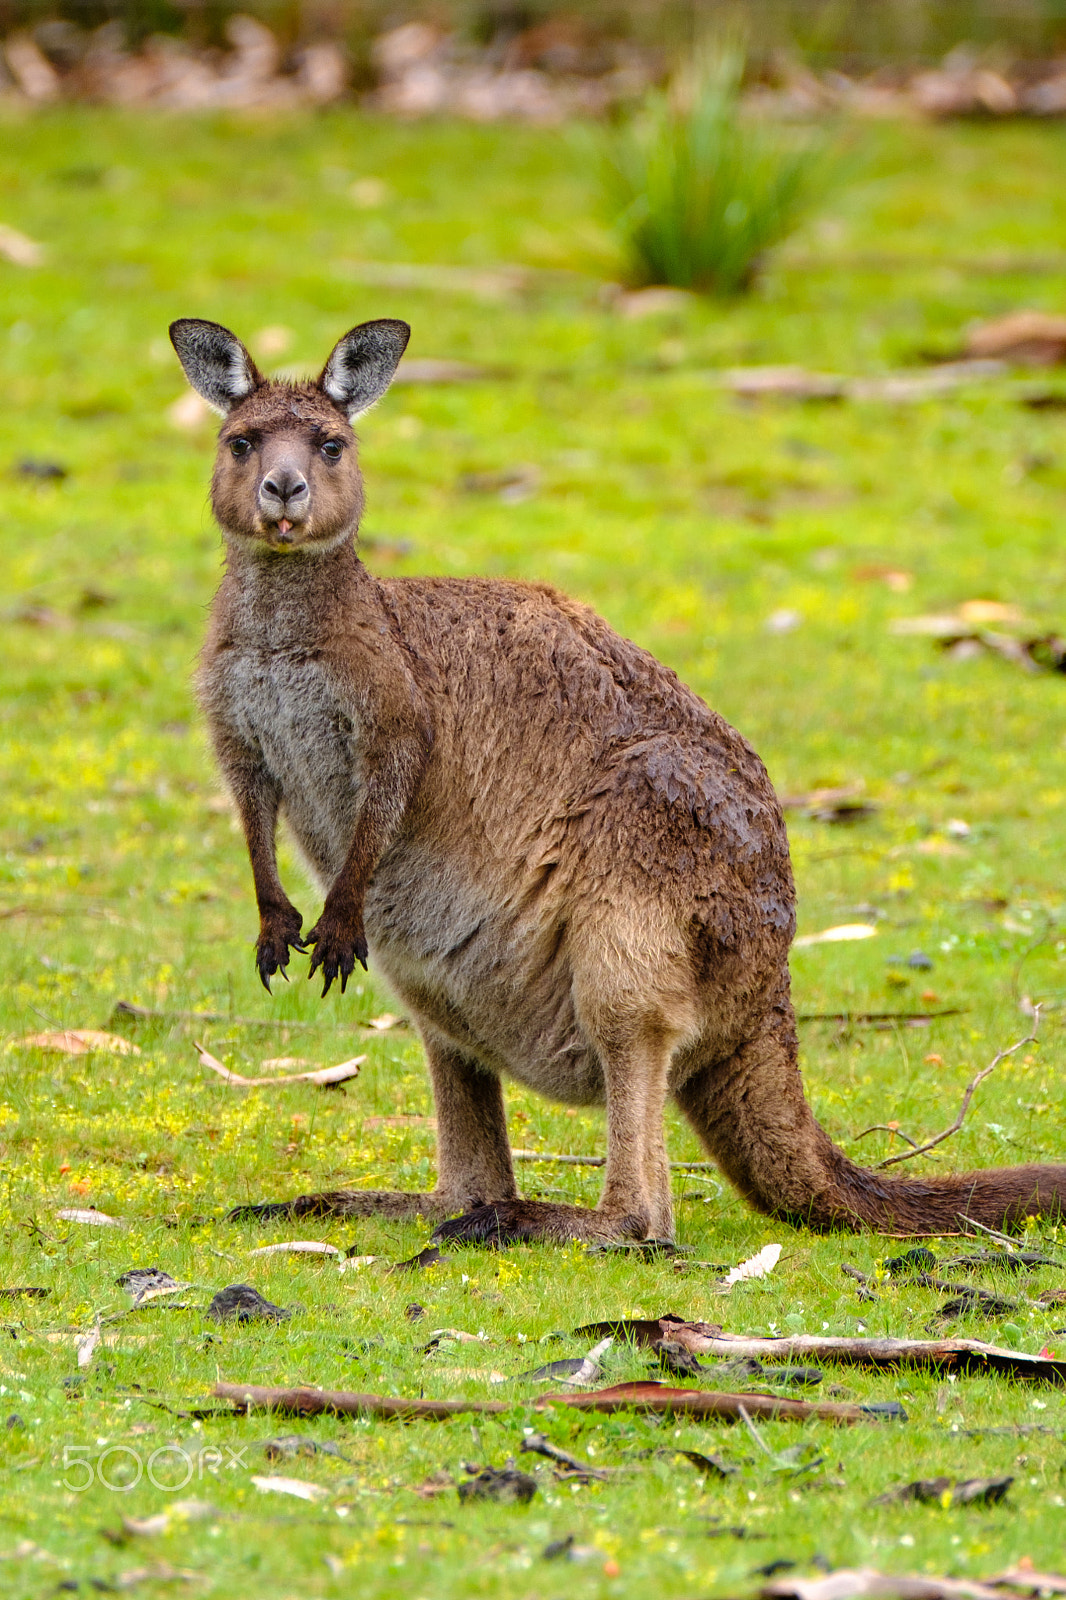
(291, 711)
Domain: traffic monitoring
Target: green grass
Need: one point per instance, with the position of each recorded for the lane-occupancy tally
(701, 195)
(688, 520)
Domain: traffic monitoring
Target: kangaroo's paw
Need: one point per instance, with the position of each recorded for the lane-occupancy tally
(339, 943)
(278, 930)
(517, 1221)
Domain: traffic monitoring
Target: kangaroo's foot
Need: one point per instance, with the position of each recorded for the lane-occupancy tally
(395, 1204)
(519, 1221)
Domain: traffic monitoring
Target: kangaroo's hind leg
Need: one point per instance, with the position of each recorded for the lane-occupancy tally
(473, 1154)
(633, 1034)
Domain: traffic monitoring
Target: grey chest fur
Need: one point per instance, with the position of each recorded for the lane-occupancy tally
(289, 709)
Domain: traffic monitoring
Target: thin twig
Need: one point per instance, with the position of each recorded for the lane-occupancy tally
(1004, 1238)
(549, 1156)
(919, 1150)
(885, 1127)
(753, 1430)
(859, 1018)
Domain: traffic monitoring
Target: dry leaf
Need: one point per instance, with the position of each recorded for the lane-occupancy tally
(272, 341)
(1030, 338)
(988, 611)
(756, 1266)
(440, 1482)
(77, 1042)
(158, 1572)
(385, 1022)
(295, 1486)
(181, 1511)
(654, 302)
(839, 935)
(323, 1076)
(369, 192)
(17, 248)
(429, 371)
(189, 412)
(24, 1550)
(793, 382)
(895, 578)
(85, 1344)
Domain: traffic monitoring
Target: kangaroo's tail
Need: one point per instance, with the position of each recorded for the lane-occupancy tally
(752, 1116)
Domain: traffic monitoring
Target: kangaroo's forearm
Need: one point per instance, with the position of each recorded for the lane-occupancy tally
(390, 789)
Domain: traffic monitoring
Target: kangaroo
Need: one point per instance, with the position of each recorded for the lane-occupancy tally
(571, 871)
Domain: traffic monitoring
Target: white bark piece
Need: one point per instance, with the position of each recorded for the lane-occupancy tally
(323, 1076)
(296, 1247)
(843, 934)
(88, 1218)
(756, 1266)
(297, 1487)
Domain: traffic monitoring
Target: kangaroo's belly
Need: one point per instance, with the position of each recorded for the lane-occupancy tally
(488, 973)
(286, 707)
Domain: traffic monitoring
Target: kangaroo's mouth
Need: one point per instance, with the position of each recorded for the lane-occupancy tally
(284, 534)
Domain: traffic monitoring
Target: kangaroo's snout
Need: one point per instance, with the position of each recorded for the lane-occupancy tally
(284, 497)
(283, 489)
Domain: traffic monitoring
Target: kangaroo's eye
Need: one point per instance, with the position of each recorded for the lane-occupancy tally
(240, 447)
(333, 449)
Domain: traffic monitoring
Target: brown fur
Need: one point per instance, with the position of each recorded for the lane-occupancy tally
(570, 870)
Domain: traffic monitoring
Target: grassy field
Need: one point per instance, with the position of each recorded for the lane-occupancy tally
(699, 526)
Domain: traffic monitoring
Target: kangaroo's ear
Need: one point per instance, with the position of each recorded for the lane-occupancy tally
(215, 361)
(363, 364)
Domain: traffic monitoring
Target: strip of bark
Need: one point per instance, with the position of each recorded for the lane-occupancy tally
(307, 1402)
(646, 1396)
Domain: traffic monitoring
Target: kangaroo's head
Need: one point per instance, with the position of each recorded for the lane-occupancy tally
(287, 474)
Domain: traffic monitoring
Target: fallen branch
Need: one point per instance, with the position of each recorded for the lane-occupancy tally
(325, 1077)
(920, 1150)
(863, 1581)
(942, 1355)
(856, 1583)
(648, 1396)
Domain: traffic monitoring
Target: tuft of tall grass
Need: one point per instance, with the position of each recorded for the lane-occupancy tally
(699, 193)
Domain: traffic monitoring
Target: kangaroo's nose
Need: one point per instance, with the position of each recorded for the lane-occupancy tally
(285, 484)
